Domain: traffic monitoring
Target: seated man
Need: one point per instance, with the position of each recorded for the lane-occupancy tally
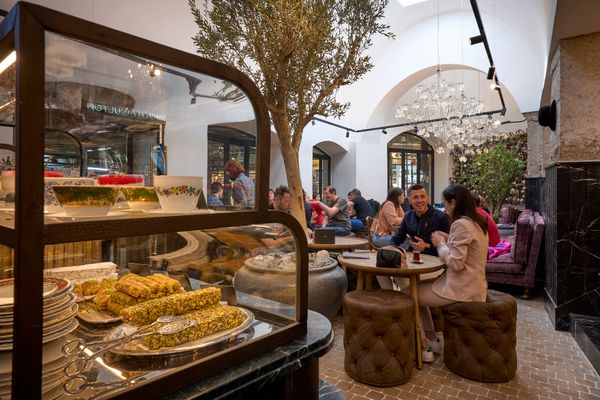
(216, 194)
(281, 199)
(362, 210)
(420, 222)
(337, 214)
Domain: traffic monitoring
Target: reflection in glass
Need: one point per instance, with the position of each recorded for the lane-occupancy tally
(131, 115)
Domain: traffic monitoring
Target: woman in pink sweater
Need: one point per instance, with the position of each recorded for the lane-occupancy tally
(388, 218)
(464, 252)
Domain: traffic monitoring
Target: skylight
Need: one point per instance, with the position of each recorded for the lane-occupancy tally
(408, 3)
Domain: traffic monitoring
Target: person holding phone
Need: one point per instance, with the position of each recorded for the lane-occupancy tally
(464, 252)
(419, 223)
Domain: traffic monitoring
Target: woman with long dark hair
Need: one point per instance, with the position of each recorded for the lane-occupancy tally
(464, 252)
(388, 217)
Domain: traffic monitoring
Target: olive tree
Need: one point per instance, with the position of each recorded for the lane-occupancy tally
(298, 52)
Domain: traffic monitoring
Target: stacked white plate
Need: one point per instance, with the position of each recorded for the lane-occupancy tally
(59, 320)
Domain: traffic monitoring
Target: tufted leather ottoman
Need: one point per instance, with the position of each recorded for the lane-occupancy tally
(379, 336)
(480, 338)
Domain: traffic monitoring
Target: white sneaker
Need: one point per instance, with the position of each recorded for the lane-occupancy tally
(435, 345)
(427, 355)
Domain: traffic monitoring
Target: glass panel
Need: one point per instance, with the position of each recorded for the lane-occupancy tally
(410, 169)
(395, 170)
(7, 120)
(407, 141)
(425, 172)
(325, 173)
(123, 119)
(134, 279)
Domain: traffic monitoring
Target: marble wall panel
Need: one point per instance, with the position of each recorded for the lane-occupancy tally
(572, 213)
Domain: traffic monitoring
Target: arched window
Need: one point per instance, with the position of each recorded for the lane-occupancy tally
(321, 171)
(410, 161)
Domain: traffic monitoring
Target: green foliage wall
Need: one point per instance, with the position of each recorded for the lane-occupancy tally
(464, 163)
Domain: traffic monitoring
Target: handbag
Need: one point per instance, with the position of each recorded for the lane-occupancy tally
(391, 257)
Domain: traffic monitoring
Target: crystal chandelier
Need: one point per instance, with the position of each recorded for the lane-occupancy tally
(446, 115)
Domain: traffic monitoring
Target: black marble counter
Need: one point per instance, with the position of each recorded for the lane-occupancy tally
(265, 371)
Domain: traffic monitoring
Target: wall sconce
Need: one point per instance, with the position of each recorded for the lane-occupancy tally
(476, 39)
(547, 116)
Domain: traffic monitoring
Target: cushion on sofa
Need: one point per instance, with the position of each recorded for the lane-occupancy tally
(522, 239)
(506, 268)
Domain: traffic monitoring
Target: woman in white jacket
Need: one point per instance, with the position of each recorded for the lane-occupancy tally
(464, 252)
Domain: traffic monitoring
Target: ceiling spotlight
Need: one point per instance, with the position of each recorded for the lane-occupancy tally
(476, 39)
(347, 134)
(495, 86)
(503, 112)
(312, 122)
(384, 132)
(193, 100)
(491, 72)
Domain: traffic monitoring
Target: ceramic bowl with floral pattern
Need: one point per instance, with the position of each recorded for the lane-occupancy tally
(51, 203)
(178, 194)
(85, 201)
(141, 198)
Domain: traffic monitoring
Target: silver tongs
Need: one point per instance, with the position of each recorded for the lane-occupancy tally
(78, 347)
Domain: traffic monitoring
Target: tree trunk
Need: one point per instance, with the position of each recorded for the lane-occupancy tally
(292, 170)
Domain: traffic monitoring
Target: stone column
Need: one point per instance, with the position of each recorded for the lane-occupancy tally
(534, 178)
(572, 182)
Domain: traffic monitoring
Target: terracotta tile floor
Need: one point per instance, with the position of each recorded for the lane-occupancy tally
(550, 366)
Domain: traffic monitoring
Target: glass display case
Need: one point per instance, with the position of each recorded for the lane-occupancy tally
(109, 231)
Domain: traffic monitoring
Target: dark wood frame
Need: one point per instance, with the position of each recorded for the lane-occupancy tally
(23, 29)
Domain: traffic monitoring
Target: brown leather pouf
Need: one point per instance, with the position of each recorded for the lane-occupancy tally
(480, 338)
(379, 336)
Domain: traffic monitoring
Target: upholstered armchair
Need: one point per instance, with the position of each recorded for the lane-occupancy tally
(518, 267)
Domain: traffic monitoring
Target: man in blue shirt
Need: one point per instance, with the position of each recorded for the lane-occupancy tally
(420, 222)
(216, 194)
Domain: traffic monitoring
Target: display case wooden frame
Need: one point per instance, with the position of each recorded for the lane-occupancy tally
(23, 28)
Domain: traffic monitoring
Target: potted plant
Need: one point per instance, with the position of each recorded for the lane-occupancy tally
(495, 173)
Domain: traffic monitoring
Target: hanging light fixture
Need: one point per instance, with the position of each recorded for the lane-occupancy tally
(445, 114)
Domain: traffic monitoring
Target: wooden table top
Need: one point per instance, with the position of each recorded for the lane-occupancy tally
(428, 264)
(341, 243)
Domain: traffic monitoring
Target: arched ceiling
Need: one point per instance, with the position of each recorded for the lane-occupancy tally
(518, 33)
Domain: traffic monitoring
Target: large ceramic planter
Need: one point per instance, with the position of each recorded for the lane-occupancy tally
(326, 285)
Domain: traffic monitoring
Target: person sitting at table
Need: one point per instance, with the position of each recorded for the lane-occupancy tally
(216, 194)
(337, 214)
(388, 218)
(464, 252)
(420, 222)
(493, 232)
(281, 199)
(362, 210)
(317, 215)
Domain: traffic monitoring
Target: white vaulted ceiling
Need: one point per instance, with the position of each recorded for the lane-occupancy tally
(518, 31)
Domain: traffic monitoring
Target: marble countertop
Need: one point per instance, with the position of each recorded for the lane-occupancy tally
(264, 369)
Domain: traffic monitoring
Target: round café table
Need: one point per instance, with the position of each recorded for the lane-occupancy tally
(342, 243)
(366, 270)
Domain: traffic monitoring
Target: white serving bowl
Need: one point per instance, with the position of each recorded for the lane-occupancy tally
(178, 194)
